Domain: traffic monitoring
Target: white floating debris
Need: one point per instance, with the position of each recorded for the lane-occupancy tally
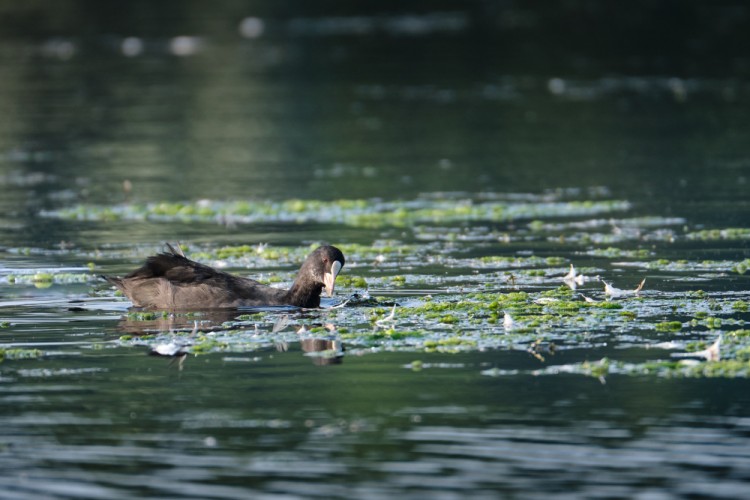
(589, 299)
(546, 300)
(388, 318)
(337, 306)
(571, 274)
(712, 353)
(508, 322)
(573, 279)
(665, 345)
(613, 292)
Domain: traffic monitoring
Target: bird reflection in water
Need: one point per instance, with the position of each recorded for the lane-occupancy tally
(150, 323)
(321, 350)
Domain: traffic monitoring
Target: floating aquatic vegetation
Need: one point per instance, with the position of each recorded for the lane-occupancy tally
(59, 372)
(18, 353)
(608, 231)
(539, 324)
(688, 266)
(454, 273)
(712, 353)
(732, 233)
(618, 253)
(360, 213)
(742, 267)
(47, 277)
(712, 366)
(668, 326)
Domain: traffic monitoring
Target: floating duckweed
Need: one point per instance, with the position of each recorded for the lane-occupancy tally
(618, 253)
(561, 292)
(362, 213)
(384, 249)
(554, 261)
(565, 306)
(668, 369)
(391, 334)
(725, 368)
(713, 323)
(514, 297)
(537, 225)
(12, 354)
(449, 319)
(240, 252)
(453, 341)
(599, 369)
(42, 278)
(668, 326)
(207, 345)
(740, 306)
(351, 281)
(515, 261)
(695, 346)
(732, 233)
(607, 305)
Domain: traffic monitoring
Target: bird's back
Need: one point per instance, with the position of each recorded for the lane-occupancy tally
(172, 281)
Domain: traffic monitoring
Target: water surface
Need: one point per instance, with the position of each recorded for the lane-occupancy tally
(461, 173)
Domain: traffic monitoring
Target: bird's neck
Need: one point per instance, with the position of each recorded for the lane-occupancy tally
(305, 294)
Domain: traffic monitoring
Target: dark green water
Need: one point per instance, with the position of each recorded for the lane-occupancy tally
(415, 113)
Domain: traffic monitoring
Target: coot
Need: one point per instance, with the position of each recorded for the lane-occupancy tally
(171, 281)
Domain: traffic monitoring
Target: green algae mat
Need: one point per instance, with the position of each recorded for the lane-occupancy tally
(549, 274)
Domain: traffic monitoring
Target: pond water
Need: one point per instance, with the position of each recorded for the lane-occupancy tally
(462, 182)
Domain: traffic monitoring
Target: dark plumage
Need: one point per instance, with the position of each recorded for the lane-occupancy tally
(171, 281)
